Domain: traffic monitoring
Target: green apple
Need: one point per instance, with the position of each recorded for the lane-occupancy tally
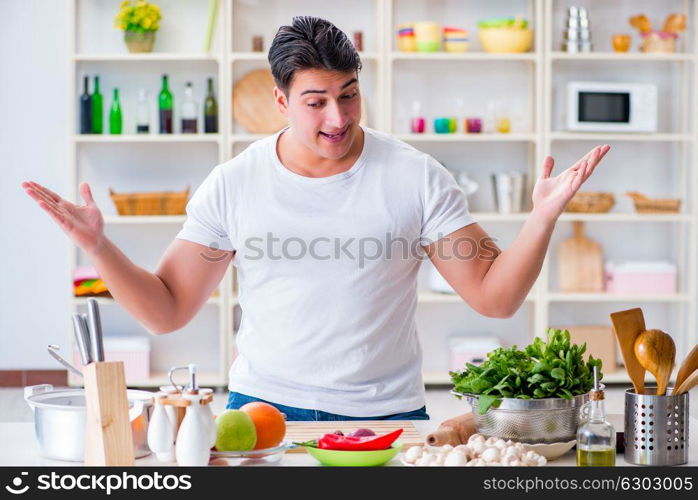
(235, 431)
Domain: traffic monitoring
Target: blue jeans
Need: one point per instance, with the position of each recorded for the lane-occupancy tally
(236, 400)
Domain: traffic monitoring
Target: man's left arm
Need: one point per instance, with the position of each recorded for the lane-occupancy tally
(493, 282)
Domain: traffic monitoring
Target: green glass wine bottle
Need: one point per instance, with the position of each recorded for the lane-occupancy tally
(165, 107)
(210, 110)
(115, 114)
(97, 109)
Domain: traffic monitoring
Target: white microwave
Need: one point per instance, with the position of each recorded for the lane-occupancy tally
(611, 107)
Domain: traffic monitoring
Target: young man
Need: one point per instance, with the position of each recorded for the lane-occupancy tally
(327, 223)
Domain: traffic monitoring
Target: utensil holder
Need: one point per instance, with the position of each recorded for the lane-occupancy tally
(656, 428)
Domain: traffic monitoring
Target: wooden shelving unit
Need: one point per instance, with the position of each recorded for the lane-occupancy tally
(385, 63)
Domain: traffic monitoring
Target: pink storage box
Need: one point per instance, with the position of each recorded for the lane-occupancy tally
(641, 277)
(470, 350)
(133, 351)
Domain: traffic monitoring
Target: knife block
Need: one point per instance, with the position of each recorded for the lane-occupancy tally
(108, 437)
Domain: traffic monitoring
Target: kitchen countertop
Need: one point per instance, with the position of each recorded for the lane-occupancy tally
(19, 448)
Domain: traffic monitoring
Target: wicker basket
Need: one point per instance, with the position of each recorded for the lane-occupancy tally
(591, 202)
(646, 205)
(154, 203)
(138, 42)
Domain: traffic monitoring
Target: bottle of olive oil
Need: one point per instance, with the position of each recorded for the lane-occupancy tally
(596, 438)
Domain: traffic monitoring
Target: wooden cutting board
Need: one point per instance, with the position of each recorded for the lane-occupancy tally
(253, 103)
(581, 263)
(305, 431)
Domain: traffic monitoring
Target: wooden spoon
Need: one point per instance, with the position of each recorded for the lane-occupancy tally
(627, 325)
(688, 384)
(655, 350)
(689, 365)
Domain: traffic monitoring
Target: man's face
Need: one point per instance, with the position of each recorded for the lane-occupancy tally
(323, 109)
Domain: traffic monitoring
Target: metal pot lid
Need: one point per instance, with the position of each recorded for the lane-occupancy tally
(74, 399)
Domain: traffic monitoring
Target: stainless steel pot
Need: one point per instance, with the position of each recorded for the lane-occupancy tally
(60, 417)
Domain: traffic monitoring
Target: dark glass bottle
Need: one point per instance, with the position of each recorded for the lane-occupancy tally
(210, 111)
(165, 107)
(85, 108)
(97, 109)
(115, 121)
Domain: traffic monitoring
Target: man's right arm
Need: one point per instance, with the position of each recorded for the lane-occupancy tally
(162, 301)
(169, 298)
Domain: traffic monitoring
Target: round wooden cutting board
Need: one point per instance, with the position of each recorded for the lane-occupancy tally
(253, 103)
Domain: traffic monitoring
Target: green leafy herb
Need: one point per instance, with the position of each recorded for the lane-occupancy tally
(544, 369)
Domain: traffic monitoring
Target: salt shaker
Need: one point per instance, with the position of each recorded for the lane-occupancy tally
(160, 431)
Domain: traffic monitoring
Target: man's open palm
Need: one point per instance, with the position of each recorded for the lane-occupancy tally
(551, 194)
(82, 223)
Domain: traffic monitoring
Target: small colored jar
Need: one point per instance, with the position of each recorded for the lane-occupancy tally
(442, 125)
(405, 38)
(418, 125)
(428, 36)
(452, 125)
(473, 125)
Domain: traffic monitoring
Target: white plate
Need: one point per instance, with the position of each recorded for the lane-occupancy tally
(550, 451)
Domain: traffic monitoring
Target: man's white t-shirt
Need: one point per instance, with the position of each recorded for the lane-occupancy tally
(327, 271)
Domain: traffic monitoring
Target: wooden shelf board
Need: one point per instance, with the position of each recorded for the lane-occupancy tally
(146, 138)
(461, 137)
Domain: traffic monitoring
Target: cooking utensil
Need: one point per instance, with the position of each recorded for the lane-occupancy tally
(547, 420)
(656, 428)
(655, 350)
(627, 325)
(253, 103)
(95, 328)
(82, 339)
(52, 352)
(581, 263)
(689, 365)
(688, 384)
(60, 419)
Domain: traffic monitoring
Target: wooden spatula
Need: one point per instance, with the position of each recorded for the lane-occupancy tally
(627, 325)
(655, 350)
(581, 263)
(688, 384)
(689, 365)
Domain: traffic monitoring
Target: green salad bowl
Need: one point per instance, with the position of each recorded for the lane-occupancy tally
(342, 458)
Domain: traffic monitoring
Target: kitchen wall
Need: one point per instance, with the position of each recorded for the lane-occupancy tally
(33, 252)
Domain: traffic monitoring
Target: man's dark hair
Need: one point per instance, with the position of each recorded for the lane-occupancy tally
(310, 43)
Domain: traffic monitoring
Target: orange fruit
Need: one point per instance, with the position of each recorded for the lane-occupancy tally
(269, 422)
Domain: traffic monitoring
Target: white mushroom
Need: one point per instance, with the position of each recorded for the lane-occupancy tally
(425, 459)
(516, 463)
(512, 451)
(478, 447)
(491, 454)
(500, 444)
(476, 437)
(440, 458)
(541, 461)
(455, 460)
(446, 448)
(464, 450)
(413, 454)
(491, 440)
(508, 460)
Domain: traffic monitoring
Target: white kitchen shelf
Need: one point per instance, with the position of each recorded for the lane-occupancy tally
(612, 297)
(461, 137)
(145, 57)
(262, 56)
(617, 56)
(106, 301)
(608, 137)
(568, 216)
(461, 56)
(146, 138)
(451, 298)
(247, 137)
(144, 219)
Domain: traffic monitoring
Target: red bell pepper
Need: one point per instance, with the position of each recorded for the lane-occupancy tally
(352, 443)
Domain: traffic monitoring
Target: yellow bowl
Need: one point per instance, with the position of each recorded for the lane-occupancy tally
(506, 40)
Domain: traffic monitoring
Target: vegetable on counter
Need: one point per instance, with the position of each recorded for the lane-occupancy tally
(364, 442)
(552, 369)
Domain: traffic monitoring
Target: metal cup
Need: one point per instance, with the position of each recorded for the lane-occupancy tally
(656, 428)
(509, 190)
